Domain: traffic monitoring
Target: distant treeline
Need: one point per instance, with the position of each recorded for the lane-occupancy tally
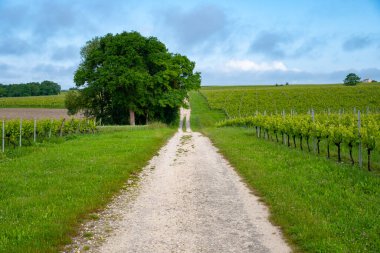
(30, 89)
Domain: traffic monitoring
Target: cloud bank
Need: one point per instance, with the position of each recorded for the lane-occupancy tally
(240, 42)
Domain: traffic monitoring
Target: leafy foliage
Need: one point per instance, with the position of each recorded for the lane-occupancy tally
(30, 89)
(73, 100)
(351, 79)
(336, 128)
(45, 129)
(126, 74)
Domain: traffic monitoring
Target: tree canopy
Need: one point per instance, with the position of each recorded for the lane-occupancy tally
(351, 79)
(127, 76)
(30, 89)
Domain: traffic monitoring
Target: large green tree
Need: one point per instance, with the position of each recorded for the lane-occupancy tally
(351, 79)
(129, 77)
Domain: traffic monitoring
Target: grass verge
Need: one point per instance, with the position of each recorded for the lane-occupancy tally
(201, 114)
(321, 206)
(47, 190)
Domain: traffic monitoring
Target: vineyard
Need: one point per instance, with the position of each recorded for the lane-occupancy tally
(24, 132)
(322, 205)
(319, 119)
(335, 129)
(246, 101)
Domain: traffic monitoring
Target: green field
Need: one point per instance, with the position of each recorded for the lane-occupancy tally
(46, 190)
(321, 205)
(246, 100)
(53, 101)
(324, 99)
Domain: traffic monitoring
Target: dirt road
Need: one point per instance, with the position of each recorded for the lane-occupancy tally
(188, 199)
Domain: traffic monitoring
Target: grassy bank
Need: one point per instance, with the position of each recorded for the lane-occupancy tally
(46, 190)
(53, 101)
(322, 206)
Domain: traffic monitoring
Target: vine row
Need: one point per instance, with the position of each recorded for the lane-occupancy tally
(17, 131)
(337, 129)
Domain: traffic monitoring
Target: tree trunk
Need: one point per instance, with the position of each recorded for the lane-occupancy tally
(328, 150)
(307, 142)
(301, 142)
(350, 148)
(294, 141)
(132, 118)
(276, 137)
(318, 141)
(369, 159)
(339, 158)
(288, 140)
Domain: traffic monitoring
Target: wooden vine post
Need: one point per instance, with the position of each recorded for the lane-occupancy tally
(62, 126)
(360, 160)
(20, 132)
(35, 130)
(51, 126)
(314, 139)
(3, 136)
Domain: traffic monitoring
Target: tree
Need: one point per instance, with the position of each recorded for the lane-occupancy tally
(30, 89)
(73, 102)
(130, 77)
(351, 79)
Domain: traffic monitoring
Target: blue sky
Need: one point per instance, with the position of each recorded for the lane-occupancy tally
(232, 42)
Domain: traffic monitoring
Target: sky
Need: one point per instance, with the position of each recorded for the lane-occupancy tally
(236, 42)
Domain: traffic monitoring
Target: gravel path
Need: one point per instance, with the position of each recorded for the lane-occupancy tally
(188, 199)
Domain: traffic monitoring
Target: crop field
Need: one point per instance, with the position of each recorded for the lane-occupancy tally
(322, 205)
(35, 113)
(53, 101)
(246, 101)
(26, 132)
(334, 127)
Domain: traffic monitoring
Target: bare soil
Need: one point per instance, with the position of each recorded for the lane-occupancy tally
(31, 113)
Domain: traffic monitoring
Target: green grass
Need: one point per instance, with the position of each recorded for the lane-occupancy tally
(321, 206)
(201, 114)
(236, 101)
(53, 101)
(48, 189)
(246, 100)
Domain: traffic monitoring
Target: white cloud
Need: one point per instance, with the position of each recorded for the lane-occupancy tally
(248, 66)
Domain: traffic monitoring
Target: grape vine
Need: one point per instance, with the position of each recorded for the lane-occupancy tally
(44, 129)
(337, 129)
